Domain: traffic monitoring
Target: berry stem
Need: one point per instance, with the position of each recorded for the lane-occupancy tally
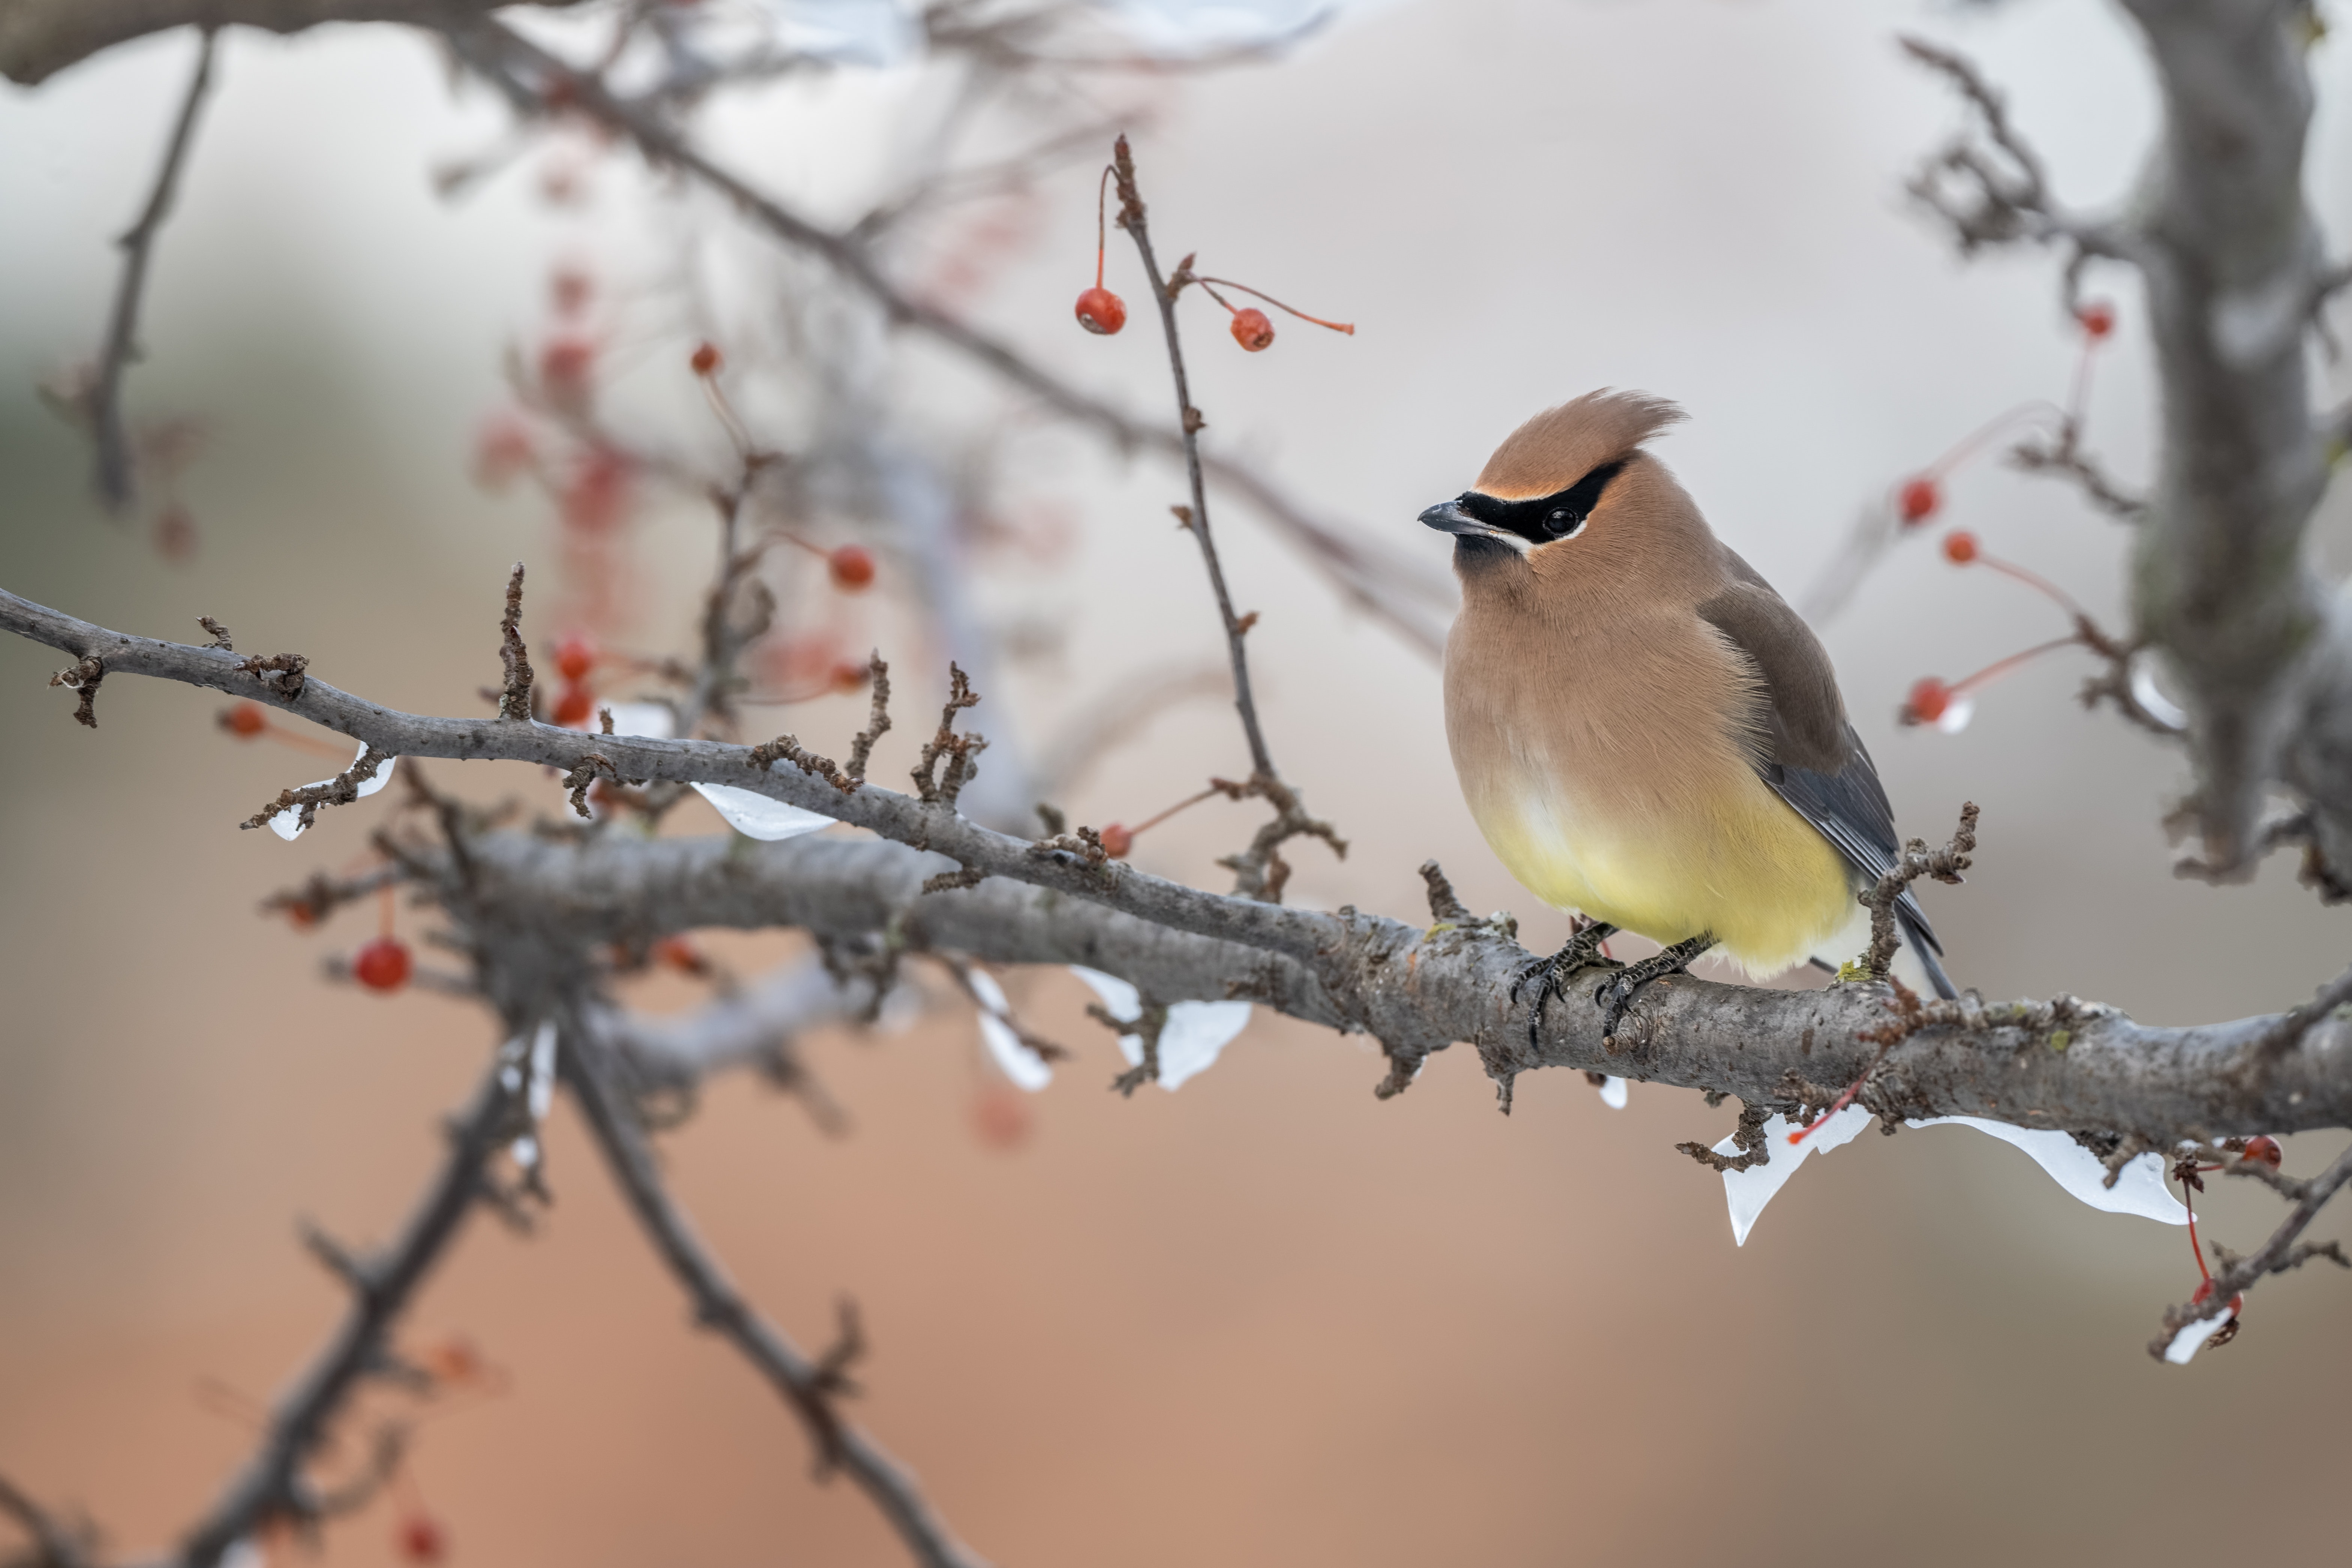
(383, 904)
(1346, 327)
(1186, 805)
(2035, 581)
(2002, 666)
(1968, 445)
(1102, 229)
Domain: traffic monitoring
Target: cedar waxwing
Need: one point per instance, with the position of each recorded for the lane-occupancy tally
(1645, 731)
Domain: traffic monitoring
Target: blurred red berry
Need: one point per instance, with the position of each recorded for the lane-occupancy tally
(1117, 841)
(245, 721)
(2264, 1150)
(302, 916)
(175, 534)
(598, 493)
(1931, 698)
(1918, 499)
(574, 708)
(571, 285)
(706, 360)
(677, 953)
(1001, 1117)
(1959, 547)
(382, 964)
(454, 1360)
(502, 449)
(2097, 318)
(575, 656)
(421, 1539)
(1101, 311)
(852, 567)
(567, 368)
(1252, 330)
(847, 678)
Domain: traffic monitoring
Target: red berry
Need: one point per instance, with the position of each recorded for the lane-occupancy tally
(245, 721)
(382, 964)
(852, 567)
(1117, 841)
(1252, 330)
(847, 678)
(502, 449)
(1101, 311)
(2097, 318)
(1959, 547)
(1929, 699)
(566, 368)
(571, 285)
(1920, 498)
(2264, 1150)
(681, 955)
(420, 1539)
(575, 656)
(705, 360)
(574, 707)
(1001, 1117)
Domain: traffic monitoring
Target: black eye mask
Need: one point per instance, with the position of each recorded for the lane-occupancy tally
(1546, 517)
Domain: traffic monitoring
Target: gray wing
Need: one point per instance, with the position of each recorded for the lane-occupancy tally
(1810, 756)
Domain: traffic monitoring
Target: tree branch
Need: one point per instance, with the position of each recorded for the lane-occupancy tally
(2066, 1064)
(810, 1387)
(41, 38)
(116, 479)
(1409, 601)
(270, 1485)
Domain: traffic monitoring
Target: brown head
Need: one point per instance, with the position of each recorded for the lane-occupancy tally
(1571, 502)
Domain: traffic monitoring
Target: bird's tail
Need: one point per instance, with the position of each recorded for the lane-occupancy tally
(1924, 948)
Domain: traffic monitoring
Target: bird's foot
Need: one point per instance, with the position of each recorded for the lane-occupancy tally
(1615, 994)
(1582, 951)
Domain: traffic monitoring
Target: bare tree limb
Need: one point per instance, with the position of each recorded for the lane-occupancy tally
(41, 38)
(2066, 1064)
(2277, 1255)
(810, 1387)
(117, 481)
(270, 1486)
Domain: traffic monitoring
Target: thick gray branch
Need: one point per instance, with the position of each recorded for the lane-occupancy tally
(2261, 651)
(2066, 1064)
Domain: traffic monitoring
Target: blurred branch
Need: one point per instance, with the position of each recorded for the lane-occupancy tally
(53, 1546)
(810, 1387)
(271, 1486)
(535, 82)
(2223, 589)
(116, 479)
(41, 37)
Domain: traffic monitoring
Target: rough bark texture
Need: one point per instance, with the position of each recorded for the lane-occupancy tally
(2064, 1062)
(2259, 646)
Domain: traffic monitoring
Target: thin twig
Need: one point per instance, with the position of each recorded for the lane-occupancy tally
(1188, 418)
(2277, 1255)
(54, 1545)
(1944, 864)
(1410, 602)
(514, 694)
(116, 482)
(2294, 1025)
(809, 1387)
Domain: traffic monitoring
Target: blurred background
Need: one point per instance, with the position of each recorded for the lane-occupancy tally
(1264, 1319)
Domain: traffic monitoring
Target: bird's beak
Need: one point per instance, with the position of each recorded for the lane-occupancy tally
(1447, 517)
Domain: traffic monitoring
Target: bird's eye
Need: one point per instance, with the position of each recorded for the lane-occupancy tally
(1560, 522)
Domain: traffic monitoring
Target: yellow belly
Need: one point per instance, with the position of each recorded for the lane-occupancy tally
(1744, 867)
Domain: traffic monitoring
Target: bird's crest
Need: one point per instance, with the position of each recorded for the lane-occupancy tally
(1561, 446)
